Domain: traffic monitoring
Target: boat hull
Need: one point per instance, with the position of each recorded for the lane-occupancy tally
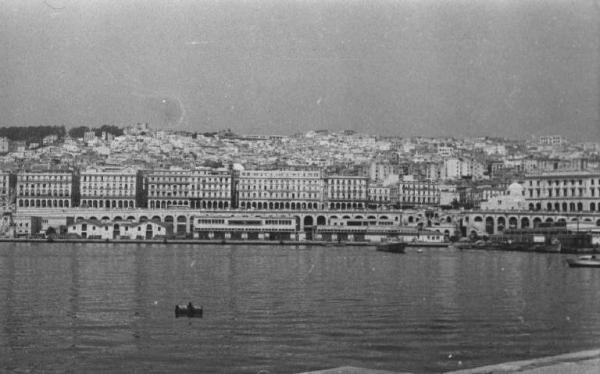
(185, 311)
(398, 247)
(583, 263)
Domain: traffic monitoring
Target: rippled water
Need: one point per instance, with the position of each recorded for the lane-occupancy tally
(109, 308)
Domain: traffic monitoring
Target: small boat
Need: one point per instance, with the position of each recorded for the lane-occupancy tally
(392, 246)
(584, 262)
(188, 311)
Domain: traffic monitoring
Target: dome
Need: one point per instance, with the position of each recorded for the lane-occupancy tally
(515, 189)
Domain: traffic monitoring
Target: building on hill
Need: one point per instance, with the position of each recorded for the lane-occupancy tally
(552, 140)
(4, 145)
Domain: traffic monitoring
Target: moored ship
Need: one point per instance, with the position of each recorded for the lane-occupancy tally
(553, 237)
(392, 246)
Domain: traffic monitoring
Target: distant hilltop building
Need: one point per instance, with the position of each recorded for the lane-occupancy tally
(4, 145)
(137, 129)
(88, 136)
(552, 140)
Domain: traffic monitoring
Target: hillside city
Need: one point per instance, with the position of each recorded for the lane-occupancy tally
(139, 167)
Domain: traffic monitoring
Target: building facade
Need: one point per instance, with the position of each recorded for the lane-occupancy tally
(410, 193)
(563, 192)
(346, 192)
(210, 188)
(279, 189)
(379, 196)
(168, 188)
(108, 188)
(47, 189)
(5, 190)
(551, 140)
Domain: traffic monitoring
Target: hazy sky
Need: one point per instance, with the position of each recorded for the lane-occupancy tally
(502, 68)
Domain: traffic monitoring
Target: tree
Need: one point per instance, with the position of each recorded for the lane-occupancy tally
(78, 132)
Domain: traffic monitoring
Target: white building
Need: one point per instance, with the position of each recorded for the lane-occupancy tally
(346, 192)
(552, 140)
(108, 188)
(279, 189)
(4, 145)
(513, 199)
(413, 192)
(379, 195)
(118, 230)
(47, 189)
(563, 191)
(200, 188)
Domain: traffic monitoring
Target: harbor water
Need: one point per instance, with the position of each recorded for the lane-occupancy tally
(110, 308)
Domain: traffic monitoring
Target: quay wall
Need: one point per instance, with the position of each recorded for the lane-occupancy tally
(451, 222)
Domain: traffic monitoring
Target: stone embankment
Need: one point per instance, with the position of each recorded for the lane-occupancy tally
(585, 362)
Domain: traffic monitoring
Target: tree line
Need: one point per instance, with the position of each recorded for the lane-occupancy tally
(35, 134)
(31, 134)
(78, 132)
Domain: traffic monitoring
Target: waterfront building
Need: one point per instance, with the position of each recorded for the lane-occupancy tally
(168, 188)
(410, 192)
(25, 226)
(279, 189)
(200, 188)
(563, 191)
(45, 189)
(108, 188)
(92, 229)
(346, 192)
(210, 188)
(379, 196)
(275, 227)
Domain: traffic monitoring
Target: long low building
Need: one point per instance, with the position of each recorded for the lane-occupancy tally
(244, 227)
(118, 230)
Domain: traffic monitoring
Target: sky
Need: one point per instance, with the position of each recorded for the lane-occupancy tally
(512, 68)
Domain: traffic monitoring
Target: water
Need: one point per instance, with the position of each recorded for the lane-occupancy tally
(110, 308)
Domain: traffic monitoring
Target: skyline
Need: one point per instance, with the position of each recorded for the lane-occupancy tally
(402, 68)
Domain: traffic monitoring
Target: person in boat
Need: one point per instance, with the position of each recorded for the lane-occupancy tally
(190, 306)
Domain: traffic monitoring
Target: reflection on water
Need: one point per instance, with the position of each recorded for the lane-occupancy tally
(109, 308)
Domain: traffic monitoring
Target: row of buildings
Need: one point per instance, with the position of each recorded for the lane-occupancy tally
(206, 188)
(198, 188)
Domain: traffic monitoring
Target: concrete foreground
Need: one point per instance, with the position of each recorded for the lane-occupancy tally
(584, 362)
(352, 370)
